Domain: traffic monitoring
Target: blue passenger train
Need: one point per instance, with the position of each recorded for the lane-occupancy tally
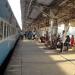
(9, 33)
(8, 37)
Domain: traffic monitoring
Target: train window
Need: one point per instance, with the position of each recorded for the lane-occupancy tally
(5, 30)
(6, 5)
(15, 30)
(12, 30)
(1, 30)
(8, 32)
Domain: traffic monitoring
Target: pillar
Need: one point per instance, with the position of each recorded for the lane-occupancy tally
(54, 27)
(66, 27)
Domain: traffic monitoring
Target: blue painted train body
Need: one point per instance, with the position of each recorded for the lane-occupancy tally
(9, 32)
(5, 47)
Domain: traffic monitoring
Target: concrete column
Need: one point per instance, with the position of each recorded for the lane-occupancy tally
(54, 27)
(50, 28)
(38, 31)
(66, 27)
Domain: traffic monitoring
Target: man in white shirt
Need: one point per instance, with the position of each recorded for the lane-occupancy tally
(63, 38)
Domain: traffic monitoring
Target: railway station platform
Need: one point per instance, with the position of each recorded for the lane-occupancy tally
(32, 58)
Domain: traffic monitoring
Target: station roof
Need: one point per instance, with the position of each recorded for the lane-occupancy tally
(32, 10)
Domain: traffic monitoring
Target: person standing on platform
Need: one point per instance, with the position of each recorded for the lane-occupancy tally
(63, 38)
(67, 42)
(72, 40)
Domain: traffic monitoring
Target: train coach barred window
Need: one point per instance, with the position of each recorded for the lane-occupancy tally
(12, 30)
(5, 30)
(8, 32)
(1, 30)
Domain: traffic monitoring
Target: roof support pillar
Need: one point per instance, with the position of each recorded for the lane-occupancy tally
(54, 26)
(66, 27)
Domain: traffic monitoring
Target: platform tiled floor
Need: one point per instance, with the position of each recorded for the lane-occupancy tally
(30, 58)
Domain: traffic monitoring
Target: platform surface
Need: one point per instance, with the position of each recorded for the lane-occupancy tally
(32, 58)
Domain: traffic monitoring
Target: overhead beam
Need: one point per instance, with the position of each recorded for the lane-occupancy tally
(63, 2)
(29, 8)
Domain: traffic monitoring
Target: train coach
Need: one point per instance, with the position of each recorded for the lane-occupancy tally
(9, 35)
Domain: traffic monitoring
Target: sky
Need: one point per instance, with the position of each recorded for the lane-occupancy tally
(15, 5)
